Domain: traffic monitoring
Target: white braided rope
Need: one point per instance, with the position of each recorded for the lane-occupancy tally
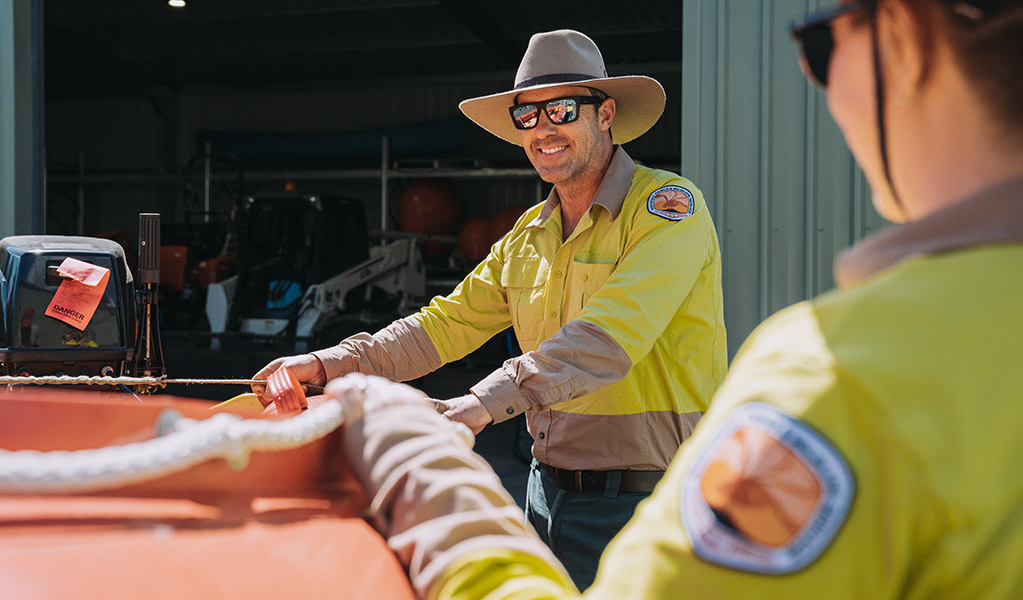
(189, 443)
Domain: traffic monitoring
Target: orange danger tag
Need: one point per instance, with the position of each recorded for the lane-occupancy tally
(77, 298)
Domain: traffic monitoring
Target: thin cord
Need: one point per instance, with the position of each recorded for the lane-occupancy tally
(879, 91)
(101, 380)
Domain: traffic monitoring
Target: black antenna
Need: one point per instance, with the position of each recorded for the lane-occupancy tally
(147, 361)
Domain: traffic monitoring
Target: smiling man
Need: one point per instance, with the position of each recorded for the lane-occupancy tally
(612, 286)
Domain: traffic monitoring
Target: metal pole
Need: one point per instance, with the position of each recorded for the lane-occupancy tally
(207, 174)
(385, 150)
(81, 192)
(147, 359)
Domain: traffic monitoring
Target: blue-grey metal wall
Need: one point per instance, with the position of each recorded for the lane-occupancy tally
(21, 117)
(784, 190)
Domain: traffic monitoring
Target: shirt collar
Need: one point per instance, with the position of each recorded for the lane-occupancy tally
(993, 216)
(611, 193)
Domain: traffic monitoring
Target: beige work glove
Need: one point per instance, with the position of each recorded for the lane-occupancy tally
(430, 495)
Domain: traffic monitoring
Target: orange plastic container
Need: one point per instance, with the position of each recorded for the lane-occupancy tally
(173, 264)
(288, 525)
(215, 269)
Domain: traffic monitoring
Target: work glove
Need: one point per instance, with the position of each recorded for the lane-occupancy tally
(430, 495)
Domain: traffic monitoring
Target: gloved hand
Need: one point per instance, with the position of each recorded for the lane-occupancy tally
(467, 410)
(305, 367)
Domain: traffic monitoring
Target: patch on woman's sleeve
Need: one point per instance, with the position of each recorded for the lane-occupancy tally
(673, 202)
(767, 494)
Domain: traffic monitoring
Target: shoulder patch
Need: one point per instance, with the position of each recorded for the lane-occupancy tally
(673, 202)
(767, 494)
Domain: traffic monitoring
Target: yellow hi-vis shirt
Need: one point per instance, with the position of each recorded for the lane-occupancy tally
(915, 380)
(866, 444)
(643, 266)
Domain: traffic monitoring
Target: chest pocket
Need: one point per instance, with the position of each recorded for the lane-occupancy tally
(587, 279)
(524, 279)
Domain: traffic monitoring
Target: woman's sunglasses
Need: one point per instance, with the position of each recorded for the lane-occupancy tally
(559, 110)
(816, 42)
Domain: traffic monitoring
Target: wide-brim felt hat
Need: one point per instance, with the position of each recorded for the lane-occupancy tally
(567, 57)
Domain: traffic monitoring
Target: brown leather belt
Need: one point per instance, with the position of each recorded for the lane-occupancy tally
(632, 482)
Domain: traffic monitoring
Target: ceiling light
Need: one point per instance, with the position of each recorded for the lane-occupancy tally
(176, 3)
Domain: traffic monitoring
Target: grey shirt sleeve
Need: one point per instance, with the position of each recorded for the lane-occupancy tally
(399, 352)
(580, 358)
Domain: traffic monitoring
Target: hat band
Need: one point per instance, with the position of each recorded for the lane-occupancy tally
(554, 78)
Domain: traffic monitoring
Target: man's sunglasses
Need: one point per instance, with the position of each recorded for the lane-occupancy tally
(559, 110)
(816, 42)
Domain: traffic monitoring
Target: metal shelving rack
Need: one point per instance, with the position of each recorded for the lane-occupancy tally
(385, 173)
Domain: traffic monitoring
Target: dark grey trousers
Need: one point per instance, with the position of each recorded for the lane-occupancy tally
(577, 526)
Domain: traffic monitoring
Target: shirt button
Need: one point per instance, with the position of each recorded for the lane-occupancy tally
(557, 273)
(586, 277)
(554, 314)
(541, 435)
(509, 410)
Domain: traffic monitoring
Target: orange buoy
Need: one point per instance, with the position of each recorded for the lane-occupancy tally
(505, 220)
(428, 206)
(476, 238)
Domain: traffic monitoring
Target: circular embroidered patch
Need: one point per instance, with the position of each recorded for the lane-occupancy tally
(767, 494)
(673, 202)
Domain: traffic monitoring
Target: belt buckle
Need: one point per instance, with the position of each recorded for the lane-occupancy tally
(578, 481)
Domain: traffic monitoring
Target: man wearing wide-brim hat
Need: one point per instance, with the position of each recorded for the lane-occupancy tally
(612, 285)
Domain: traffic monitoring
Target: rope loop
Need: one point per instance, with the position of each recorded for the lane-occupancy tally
(180, 444)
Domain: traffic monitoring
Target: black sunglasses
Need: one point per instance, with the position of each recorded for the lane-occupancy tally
(559, 110)
(816, 42)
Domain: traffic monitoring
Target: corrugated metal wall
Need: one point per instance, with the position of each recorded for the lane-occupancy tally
(785, 192)
(22, 158)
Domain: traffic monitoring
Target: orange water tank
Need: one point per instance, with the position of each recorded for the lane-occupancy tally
(428, 206)
(288, 524)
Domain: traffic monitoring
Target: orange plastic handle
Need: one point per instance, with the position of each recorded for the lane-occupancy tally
(286, 391)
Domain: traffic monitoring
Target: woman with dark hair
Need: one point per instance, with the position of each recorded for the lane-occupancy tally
(866, 443)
